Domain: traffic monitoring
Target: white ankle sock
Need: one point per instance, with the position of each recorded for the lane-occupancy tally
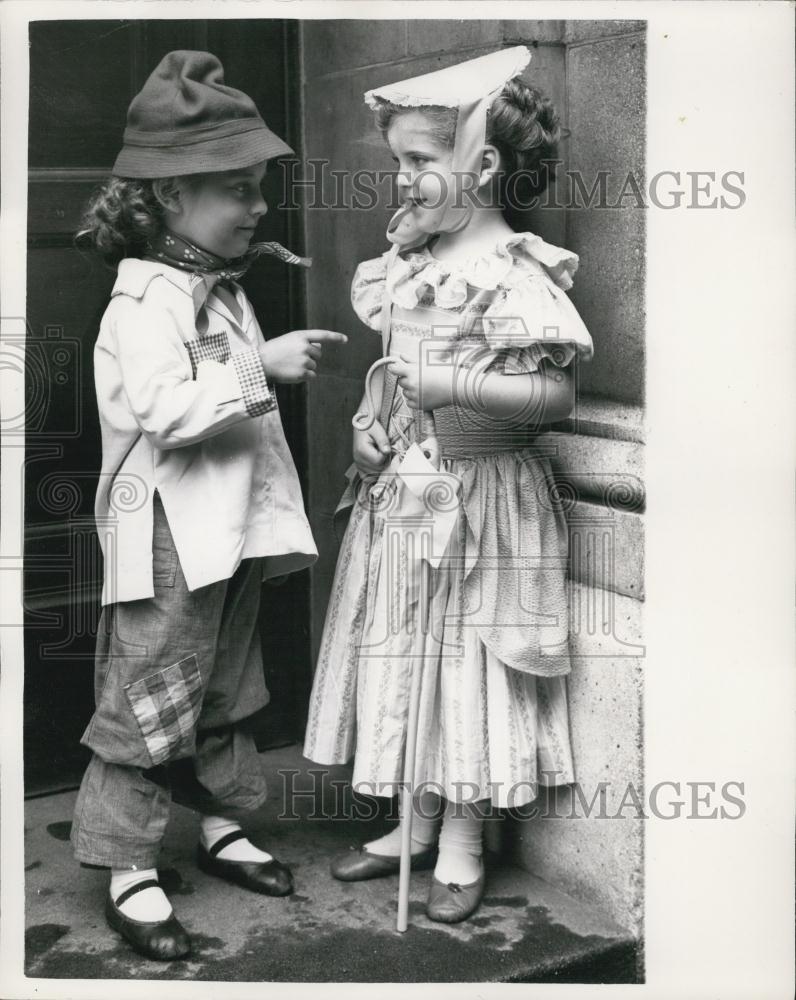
(460, 844)
(148, 904)
(424, 829)
(213, 828)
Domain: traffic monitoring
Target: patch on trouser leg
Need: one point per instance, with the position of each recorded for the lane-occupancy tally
(166, 706)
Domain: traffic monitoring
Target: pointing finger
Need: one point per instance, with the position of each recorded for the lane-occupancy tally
(328, 337)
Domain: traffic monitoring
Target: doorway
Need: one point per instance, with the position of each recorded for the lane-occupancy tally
(83, 75)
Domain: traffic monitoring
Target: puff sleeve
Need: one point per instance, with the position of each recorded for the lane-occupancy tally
(532, 319)
(367, 290)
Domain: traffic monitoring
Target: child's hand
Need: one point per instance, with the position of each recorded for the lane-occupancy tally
(371, 449)
(425, 388)
(294, 356)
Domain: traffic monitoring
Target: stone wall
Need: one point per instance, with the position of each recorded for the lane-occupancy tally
(594, 70)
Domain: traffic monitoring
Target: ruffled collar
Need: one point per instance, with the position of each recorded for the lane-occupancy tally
(416, 270)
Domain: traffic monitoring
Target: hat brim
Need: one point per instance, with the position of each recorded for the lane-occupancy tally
(458, 85)
(210, 155)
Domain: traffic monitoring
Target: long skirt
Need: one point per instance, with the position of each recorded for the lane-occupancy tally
(486, 730)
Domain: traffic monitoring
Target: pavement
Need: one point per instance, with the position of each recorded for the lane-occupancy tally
(327, 931)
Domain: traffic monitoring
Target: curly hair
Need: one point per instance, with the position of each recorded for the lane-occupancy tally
(522, 124)
(120, 217)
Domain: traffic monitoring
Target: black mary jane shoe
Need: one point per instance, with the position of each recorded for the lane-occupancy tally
(161, 940)
(358, 865)
(269, 878)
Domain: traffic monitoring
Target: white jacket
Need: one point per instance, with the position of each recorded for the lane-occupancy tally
(191, 416)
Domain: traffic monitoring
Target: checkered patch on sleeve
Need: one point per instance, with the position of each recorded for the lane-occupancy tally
(213, 347)
(256, 393)
(166, 706)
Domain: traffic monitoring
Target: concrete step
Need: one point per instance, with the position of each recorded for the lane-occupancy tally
(328, 931)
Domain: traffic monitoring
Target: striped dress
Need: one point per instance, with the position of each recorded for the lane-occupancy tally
(488, 627)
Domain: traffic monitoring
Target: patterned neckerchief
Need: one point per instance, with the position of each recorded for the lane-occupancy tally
(172, 249)
(210, 270)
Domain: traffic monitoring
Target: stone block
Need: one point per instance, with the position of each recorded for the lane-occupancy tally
(602, 470)
(609, 295)
(333, 46)
(607, 555)
(584, 30)
(424, 36)
(605, 418)
(595, 852)
(532, 33)
(549, 223)
(546, 72)
(606, 84)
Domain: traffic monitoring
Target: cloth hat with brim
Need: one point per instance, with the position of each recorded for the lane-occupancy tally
(186, 120)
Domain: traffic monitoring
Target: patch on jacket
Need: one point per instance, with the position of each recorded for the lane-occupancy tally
(212, 347)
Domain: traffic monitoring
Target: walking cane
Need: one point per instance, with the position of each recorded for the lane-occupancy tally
(363, 421)
(429, 433)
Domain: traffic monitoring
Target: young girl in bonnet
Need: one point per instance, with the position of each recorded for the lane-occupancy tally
(483, 340)
(190, 425)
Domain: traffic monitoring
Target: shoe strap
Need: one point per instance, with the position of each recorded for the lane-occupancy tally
(225, 841)
(147, 883)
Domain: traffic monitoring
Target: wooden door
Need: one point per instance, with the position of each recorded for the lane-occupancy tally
(83, 75)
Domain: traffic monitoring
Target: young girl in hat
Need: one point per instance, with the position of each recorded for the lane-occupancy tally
(483, 339)
(198, 497)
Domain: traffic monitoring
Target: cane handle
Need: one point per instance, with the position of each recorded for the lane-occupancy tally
(366, 418)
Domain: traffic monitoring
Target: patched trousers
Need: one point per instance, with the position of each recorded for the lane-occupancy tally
(175, 676)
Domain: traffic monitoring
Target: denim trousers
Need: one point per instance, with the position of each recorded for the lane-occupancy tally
(175, 675)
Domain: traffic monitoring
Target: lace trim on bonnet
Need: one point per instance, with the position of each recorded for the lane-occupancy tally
(529, 275)
(462, 83)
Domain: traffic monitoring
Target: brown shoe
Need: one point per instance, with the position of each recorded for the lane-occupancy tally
(450, 903)
(358, 865)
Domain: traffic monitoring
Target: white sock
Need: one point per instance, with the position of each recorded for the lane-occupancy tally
(460, 844)
(149, 904)
(213, 828)
(424, 829)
